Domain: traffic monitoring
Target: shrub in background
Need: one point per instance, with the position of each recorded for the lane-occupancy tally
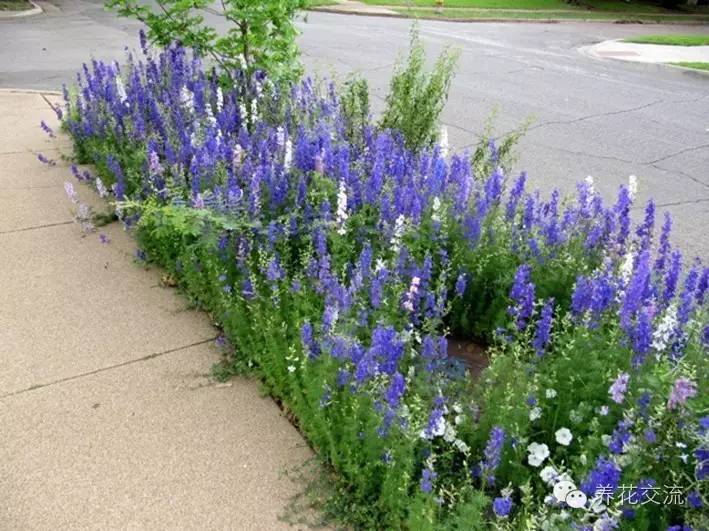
(417, 98)
(261, 35)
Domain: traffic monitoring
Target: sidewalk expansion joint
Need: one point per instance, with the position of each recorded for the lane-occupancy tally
(51, 105)
(31, 151)
(109, 368)
(36, 227)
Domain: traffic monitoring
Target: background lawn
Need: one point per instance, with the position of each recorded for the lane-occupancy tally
(589, 5)
(675, 40)
(696, 66)
(14, 5)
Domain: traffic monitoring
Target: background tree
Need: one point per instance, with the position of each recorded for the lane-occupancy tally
(261, 35)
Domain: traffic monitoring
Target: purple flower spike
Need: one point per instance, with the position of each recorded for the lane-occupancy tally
(502, 506)
(46, 128)
(522, 294)
(543, 333)
(682, 390)
(428, 476)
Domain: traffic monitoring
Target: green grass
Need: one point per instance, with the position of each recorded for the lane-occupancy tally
(486, 4)
(673, 40)
(14, 5)
(506, 14)
(696, 66)
(610, 10)
(618, 6)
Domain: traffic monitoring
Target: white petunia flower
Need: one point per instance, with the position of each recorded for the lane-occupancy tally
(563, 436)
(564, 477)
(461, 446)
(548, 474)
(537, 453)
(436, 430)
(449, 434)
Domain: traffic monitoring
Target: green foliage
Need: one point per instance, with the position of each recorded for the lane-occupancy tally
(262, 290)
(261, 35)
(416, 98)
(504, 147)
(354, 100)
(570, 387)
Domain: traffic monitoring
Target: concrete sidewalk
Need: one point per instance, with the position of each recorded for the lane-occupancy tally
(109, 420)
(648, 53)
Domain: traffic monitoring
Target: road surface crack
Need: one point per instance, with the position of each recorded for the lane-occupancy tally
(680, 152)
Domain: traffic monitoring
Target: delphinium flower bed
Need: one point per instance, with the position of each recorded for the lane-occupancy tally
(338, 263)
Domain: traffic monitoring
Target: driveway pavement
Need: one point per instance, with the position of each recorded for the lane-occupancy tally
(589, 116)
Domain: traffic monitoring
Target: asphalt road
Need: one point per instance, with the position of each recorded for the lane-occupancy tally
(604, 118)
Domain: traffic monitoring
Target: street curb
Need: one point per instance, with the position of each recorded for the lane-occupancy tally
(639, 22)
(325, 9)
(589, 51)
(36, 10)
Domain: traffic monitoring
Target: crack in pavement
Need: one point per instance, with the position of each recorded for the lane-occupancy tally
(31, 152)
(598, 115)
(680, 172)
(680, 152)
(583, 118)
(51, 105)
(677, 203)
(38, 187)
(36, 227)
(104, 369)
